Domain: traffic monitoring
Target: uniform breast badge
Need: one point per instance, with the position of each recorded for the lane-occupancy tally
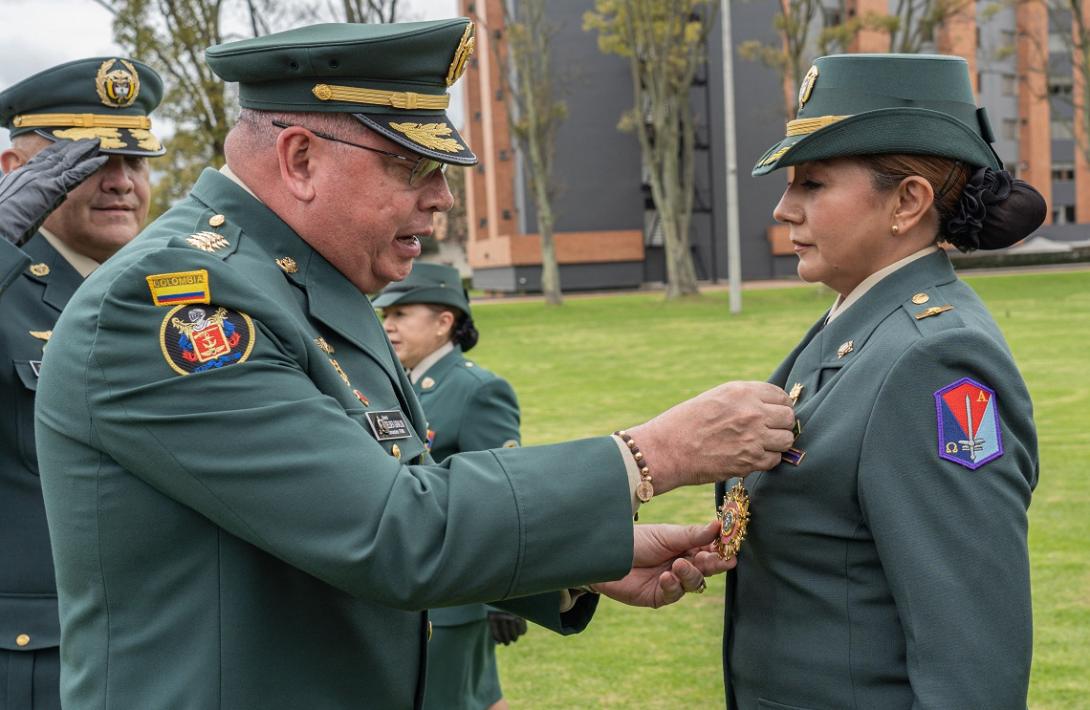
(733, 516)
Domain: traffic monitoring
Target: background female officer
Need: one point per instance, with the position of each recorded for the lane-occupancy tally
(887, 565)
(428, 320)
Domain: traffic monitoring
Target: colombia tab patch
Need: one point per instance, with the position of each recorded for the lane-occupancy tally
(180, 287)
(968, 419)
(196, 339)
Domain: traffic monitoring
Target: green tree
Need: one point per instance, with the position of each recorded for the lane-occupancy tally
(534, 113)
(665, 43)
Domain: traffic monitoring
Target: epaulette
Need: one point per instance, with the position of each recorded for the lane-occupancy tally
(214, 235)
(931, 313)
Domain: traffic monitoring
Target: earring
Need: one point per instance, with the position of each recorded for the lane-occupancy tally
(895, 229)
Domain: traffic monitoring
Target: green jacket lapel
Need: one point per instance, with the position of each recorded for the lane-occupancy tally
(61, 281)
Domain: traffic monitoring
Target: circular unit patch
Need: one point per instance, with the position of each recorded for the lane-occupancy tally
(198, 337)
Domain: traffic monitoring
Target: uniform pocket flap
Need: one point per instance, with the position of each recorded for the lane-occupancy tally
(28, 372)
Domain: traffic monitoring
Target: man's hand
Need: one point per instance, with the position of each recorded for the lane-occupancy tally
(30, 193)
(667, 562)
(506, 628)
(731, 430)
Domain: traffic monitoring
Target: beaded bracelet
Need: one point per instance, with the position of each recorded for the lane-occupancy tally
(644, 490)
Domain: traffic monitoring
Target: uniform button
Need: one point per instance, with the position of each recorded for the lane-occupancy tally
(395, 451)
(22, 640)
(920, 298)
(216, 220)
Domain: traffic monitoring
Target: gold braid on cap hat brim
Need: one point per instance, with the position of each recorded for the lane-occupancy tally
(408, 100)
(80, 120)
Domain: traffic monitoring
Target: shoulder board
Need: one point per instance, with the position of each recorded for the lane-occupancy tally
(214, 234)
(932, 313)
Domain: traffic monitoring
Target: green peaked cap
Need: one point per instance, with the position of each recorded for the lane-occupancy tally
(392, 77)
(869, 104)
(426, 283)
(108, 98)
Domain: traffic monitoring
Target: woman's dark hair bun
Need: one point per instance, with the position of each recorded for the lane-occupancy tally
(995, 211)
(465, 334)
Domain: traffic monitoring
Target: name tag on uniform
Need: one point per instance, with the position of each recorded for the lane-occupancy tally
(388, 425)
(36, 367)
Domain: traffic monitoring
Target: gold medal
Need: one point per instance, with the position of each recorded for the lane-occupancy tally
(734, 517)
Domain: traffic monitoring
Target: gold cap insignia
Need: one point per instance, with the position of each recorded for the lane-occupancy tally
(462, 54)
(206, 241)
(216, 220)
(117, 87)
(845, 348)
(807, 86)
(287, 264)
(430, 135)
(39, 269)
(734, 519)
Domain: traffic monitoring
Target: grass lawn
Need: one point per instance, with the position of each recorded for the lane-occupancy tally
(598, 364)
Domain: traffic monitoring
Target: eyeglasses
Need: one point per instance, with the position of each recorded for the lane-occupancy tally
(422, 168)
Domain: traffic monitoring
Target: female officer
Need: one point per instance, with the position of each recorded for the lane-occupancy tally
(428, 320)
(886, 564)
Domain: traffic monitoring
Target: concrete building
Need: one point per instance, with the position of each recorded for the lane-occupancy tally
(606, 227)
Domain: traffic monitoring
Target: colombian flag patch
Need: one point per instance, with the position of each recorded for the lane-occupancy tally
(180, 287)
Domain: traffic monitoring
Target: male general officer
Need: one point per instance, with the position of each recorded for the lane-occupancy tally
(50, 114)
(242, 509)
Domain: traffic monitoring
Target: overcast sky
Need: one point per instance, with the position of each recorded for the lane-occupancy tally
(38, 34)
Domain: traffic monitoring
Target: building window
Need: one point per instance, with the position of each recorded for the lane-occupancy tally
(1060, 86)
(1061, 130)
(507, 214)
(653, 235)
(1063, 214)
(1063, 172)
(1010, 84)
(1058, 44)
(1010, 129)
(831, 16)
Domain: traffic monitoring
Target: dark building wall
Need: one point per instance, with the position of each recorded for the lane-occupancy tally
(597, 167)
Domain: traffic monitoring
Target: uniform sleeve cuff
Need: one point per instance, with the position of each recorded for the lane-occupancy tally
(631, 469)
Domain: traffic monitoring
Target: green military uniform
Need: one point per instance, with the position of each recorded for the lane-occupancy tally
(468, 409)
(12, 261)
(31, 304)
(888, 568)
(242, 508)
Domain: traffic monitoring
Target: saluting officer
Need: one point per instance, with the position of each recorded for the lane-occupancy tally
(428, 320)
(242, 507)
(56, 119)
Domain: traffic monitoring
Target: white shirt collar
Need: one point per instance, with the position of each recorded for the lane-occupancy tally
(844, 303)
(435, 356)
(84, 265)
